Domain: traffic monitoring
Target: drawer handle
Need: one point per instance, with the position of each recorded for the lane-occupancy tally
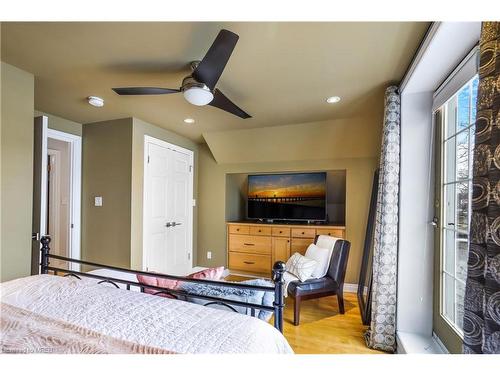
(303, 232)
(260, 230)
(237, 229)
(248, 244)
(247, 262)
(281, 231)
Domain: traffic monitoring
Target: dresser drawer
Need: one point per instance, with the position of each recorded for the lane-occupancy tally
(250, 244)
(251, 263)
(281, 232)
(303, 232)
(300, 245)
(239, 229)
(260, 231)
(339, 233)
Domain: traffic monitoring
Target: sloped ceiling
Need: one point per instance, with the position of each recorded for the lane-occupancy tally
(280, 73)
(356, 137)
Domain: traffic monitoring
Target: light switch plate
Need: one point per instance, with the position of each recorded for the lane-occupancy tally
(209, 255)
(98, 201)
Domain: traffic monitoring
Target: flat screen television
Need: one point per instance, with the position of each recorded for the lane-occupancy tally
(291, 196)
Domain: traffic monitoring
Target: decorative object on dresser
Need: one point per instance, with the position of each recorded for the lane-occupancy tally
(253, 247)
(329, 285)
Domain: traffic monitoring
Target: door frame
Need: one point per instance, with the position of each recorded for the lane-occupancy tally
(56, 218)
(39, 209)
(75, 152)
(468, 68)
(158, 142)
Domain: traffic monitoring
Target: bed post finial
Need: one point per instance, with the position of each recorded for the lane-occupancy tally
(44, 259)
(279, 299)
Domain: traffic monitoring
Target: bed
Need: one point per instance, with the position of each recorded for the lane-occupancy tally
(74, 313)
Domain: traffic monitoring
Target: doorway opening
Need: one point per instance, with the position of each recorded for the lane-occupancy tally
(57, 193)
(64, 160)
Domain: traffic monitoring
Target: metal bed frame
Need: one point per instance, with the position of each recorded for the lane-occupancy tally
(277, 277)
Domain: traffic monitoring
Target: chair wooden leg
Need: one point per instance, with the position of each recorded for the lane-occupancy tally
(340, 299)
(296, 311)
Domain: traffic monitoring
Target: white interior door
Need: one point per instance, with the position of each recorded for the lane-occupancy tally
(179, 234)
(168, 218)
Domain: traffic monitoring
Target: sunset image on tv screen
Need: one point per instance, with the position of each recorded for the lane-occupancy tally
(291, 185)
(287, 196)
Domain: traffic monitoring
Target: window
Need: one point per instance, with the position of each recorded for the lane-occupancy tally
(457, 117)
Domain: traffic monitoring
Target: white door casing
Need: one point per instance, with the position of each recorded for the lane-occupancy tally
(40, 153)
(75, 154)
(168, 208)
(39, 225)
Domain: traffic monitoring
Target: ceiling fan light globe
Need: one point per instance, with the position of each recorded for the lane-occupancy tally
(198, 96)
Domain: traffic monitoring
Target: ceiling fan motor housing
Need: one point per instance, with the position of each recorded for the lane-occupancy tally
(195, 92)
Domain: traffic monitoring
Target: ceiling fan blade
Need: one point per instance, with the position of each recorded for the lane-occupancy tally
(211, 67)
(144, 91)
(222, 102)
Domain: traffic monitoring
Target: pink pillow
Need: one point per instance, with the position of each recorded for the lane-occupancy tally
(157, 281)
(210, 273)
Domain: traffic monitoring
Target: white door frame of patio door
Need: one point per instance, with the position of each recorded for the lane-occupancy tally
(151, 140)
(75, 152)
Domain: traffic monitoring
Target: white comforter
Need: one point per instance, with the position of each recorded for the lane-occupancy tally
(177, 326)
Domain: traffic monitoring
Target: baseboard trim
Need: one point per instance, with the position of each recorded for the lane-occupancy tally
(351, 288)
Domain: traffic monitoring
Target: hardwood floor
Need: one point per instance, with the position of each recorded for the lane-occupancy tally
(322, 329)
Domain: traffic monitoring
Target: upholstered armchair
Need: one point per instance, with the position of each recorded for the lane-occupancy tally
(329, 285)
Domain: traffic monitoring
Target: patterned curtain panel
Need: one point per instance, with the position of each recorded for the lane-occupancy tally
(382, 333)
(482, 293)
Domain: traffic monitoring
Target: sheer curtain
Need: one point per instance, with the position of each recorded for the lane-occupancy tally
(482, 294)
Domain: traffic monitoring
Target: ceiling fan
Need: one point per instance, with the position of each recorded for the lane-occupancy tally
(199, 87)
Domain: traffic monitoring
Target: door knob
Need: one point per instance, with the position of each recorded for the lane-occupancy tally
(172, 224)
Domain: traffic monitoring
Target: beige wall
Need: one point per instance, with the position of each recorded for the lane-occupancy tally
(212, 210)
(113, 167)
(351, 144)
(107, 172)
(357, 137)
(140, 129)
(61, 124)
(16, 193)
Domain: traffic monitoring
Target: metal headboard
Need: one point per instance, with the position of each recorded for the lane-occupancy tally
(277, 276)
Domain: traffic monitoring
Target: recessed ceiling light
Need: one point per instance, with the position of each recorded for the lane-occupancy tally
(333, 99)
(189, 121)
(95, 101)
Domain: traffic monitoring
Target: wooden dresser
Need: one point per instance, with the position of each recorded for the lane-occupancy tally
(253, 248)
